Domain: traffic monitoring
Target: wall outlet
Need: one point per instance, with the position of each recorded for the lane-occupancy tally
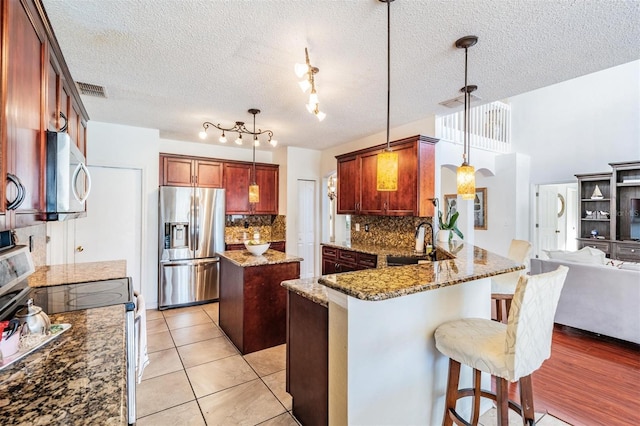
(366, 227)
(357, 227)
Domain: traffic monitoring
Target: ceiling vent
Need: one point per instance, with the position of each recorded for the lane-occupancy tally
(91, 90)
(456, 102)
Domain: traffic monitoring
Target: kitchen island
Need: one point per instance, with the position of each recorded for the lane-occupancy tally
(77, 378)
(383, 364)
(253, 305)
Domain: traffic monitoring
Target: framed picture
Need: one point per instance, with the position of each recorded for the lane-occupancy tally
(480, 209)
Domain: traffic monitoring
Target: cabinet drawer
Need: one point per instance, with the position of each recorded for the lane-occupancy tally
(347, 256)
(367, 260)
(329, 252)
(600, 245)
(628, 252)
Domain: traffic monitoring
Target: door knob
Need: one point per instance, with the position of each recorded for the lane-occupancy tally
(79, 249)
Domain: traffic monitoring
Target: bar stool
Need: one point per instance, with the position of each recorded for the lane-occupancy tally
(503, 286)
(509, 352)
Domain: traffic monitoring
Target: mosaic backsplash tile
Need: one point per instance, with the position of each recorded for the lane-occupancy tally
(241, 227)
(387, 231)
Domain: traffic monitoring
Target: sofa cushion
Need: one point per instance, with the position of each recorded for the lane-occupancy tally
(588, 255)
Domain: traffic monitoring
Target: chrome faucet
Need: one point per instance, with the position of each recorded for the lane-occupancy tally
(432, 253)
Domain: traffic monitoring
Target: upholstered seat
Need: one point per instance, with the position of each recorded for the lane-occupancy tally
(503, 286)
(511, 352)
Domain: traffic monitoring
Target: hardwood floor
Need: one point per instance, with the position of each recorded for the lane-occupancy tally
(589, 380)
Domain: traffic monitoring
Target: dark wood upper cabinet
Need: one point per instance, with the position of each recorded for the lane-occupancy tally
(33, 72)
(357, 193)
(190, 171)
(233, 176)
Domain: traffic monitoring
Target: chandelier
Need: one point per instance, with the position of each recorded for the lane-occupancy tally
(465, 175)
(240, 129)
(301, 69)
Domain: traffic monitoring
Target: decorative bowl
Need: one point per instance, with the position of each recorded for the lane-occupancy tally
(256, 247)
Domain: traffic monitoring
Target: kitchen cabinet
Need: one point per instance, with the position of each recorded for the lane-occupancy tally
(33, 71)
(189, 171)
(336, 260)
(237, 178)
(357, 193)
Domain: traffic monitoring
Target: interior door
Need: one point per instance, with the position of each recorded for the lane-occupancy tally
(112, 228)
(306, 227)
(547, 218)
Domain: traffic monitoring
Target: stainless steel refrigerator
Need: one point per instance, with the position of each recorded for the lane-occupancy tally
(191, 223)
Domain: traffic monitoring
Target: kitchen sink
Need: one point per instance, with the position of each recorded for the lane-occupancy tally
(414, 259)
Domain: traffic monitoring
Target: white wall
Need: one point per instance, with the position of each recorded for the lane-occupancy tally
(579, 126)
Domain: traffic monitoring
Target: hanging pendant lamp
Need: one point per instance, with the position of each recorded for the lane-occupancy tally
(387, 168)
(466, 175)
(254, 189)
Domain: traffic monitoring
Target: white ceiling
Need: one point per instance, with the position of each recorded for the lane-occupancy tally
(170, 65)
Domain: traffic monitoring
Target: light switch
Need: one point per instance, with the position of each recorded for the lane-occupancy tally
(357, 227)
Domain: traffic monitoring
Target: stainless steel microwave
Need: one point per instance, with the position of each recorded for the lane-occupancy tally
(68, 182)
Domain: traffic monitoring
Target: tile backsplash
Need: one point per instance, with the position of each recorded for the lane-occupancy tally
(386, 231)
(38, 234)
(271, 227)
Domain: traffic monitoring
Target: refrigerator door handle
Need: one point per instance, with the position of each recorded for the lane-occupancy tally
(197, 230)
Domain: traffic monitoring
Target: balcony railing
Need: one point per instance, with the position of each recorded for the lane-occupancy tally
(489, 127)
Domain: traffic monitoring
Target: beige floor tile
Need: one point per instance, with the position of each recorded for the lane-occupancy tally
(213, 311)
(206, 351)
(159, 341)
(219, 375)
(268, 361)
(162, 392)
(162, 362)
(196, 333)
(247, 404)
(185, 414)
(277, 383)
(490, 418)
(179, 311)
(157, 325)
(153, 314)
(285, 419)
(188, 319)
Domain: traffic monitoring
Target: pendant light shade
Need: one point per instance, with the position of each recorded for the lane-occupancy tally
(254, 193)
(466, 175)
(466, 178)
(387, 167)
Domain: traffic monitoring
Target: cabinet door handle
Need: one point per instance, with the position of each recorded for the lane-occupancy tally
(12, 205)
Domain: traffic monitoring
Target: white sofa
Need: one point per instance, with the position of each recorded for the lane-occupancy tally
(602, 299)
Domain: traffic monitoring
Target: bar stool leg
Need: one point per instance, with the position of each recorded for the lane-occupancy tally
(498, 310)
(452, 391)
(502, 401)
(477, 393)
(526, 401)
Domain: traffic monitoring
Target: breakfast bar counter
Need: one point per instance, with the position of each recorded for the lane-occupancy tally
(77, 378)
(71, 273)
(384, 367)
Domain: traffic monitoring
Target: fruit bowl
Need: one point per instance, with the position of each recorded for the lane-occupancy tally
(256, 247)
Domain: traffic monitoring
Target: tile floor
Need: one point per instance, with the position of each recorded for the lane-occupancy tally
(196, 376)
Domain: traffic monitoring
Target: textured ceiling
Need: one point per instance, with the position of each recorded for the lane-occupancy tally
(170, 65)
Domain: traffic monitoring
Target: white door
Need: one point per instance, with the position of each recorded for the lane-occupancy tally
(306, 227)
(547, 218)
(113, 225)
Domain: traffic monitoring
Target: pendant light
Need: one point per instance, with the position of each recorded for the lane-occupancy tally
(466, 175)
(254, 190)
(387, 168)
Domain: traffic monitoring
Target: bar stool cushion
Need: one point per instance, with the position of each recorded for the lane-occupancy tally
(511, 350)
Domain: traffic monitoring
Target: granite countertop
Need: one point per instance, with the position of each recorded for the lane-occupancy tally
(268, 240)
(308, 288)
(270, 257)
(71, 273)
(470, 263)
(77, 378)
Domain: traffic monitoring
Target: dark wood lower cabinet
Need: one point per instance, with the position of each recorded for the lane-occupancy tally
(308, 359)
(253, 304)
